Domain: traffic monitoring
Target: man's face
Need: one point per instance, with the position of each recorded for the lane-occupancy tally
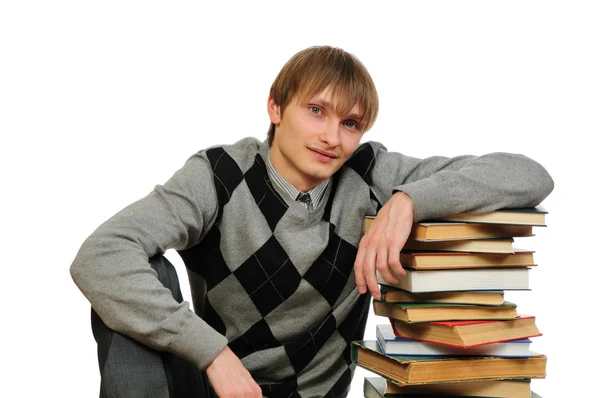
(312, 141)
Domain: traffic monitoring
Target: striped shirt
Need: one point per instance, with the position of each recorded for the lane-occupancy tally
(291, 192)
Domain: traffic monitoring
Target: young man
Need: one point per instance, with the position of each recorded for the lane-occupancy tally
(275, 231)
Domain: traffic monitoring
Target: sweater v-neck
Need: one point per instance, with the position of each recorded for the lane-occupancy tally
(298, 210)
(301, 213)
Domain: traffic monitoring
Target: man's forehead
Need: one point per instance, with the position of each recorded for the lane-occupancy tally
(336, 102)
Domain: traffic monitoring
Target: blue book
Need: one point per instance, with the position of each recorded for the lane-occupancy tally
(391, 345)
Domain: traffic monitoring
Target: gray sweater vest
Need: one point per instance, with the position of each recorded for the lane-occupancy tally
(290, 317)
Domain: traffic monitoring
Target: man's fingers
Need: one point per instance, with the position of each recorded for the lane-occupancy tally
(230, 378)
(387, 275)
(255, 389)
(369, 272)
(361, 282)
(383, 268)
(393, 262)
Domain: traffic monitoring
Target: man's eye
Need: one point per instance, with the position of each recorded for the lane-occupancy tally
(315, 109)
(350, 124)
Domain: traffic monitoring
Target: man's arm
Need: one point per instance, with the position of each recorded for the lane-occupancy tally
(437, 187)
(113, 272)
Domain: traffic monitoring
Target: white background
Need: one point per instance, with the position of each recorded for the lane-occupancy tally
(100, 101)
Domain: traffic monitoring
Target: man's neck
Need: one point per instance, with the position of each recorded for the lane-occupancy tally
(279, 164)
(289, 191)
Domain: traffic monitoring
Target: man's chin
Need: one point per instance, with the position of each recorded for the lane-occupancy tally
(324, 173)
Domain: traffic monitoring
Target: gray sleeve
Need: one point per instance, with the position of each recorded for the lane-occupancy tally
(113, 272)
(441, 186)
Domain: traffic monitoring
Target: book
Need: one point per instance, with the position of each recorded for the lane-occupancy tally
(429, 312)
(390, 344)
(498, 245)
(405, 370)
(468, 333)
(534, 216)
(461, 279)
(450, 230)
(425, 231)
(488, 297)
(419, 260)
(379, 387)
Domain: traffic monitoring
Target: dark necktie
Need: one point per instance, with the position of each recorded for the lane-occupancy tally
(305, 198)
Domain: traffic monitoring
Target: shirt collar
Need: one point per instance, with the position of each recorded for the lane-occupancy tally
(316, 194)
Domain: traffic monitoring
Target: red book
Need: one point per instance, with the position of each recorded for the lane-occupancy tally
(468, 333)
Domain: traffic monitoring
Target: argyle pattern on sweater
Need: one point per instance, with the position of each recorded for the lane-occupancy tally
(252, 286)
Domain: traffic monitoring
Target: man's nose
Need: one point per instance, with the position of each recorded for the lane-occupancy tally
(331, 133)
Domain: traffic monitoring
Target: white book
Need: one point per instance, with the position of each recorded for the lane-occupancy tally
(461, 279)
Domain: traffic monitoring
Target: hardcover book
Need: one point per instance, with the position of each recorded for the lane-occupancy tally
(391, 294)
(429, 312)
(446, 260)
(516, 278)
(390, 344)
(468, 333)
(426, 231)
(535, 216)
(473, 246)
(405, 370)
(379, 387)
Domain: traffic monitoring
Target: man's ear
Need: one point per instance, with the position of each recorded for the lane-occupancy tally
(274, 111)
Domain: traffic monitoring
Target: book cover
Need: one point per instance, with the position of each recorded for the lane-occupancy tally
(404, 370)
(516, 278)
(447, 230)
(473, 246)
(468, 333)
(534, 216)
(419, 260)
(432, 231)
(391, 294)
(429, 312)
(390, 344)
(379, 387)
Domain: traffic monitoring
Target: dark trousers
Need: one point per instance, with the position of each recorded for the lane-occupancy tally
(129, 369)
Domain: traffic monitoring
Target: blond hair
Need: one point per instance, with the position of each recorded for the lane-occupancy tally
(312, 70)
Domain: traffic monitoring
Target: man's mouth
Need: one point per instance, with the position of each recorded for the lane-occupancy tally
(324, 153)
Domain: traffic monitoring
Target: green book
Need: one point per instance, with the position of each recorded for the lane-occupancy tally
(410, 370)
(430, 312)
(379, 387)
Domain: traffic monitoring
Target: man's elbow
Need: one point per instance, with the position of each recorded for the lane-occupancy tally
(80, 267)
(547, 186)
(78, 274)
(542, 184)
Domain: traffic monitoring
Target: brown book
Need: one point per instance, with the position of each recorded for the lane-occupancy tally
(426, 231)
(446, 260)
(535, 216)
(450, 231)
(393, 295)
(499, 245)
(405, 370)
(469, 333)
(379, 387)
(429, 312)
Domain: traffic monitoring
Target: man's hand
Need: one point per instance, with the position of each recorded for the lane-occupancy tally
(230, 379)
(379, 249)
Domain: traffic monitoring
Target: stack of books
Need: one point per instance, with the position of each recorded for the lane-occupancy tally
(448, 329)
